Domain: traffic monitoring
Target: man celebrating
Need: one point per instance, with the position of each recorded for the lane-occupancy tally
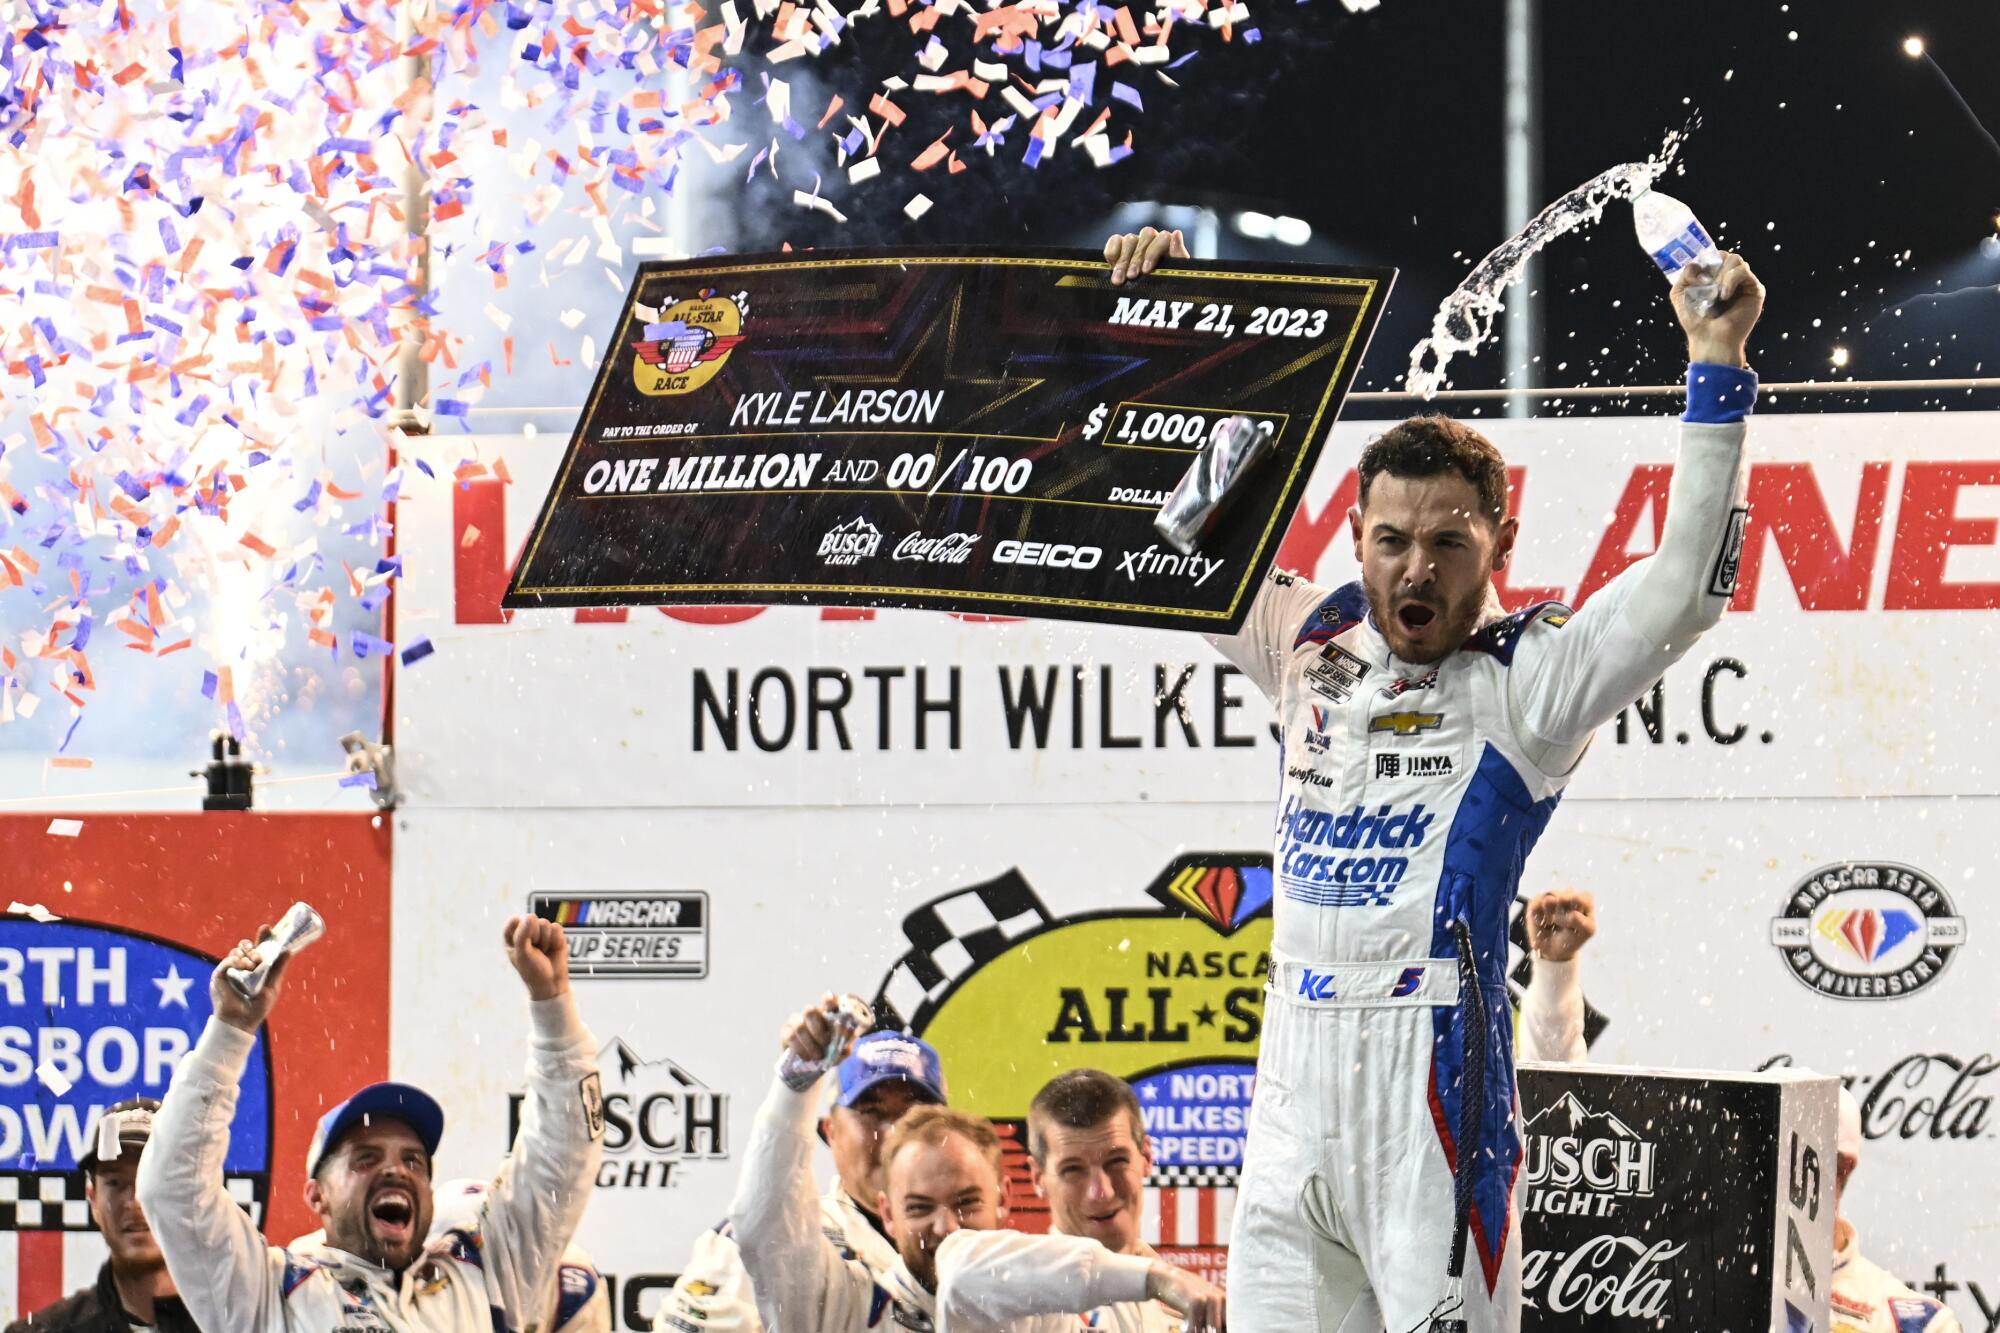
(369, 1180)
(1559, 925)
(882, 1080)
(943, 1204)
(133, 1288)
(1427, 738)
(1089, 1155)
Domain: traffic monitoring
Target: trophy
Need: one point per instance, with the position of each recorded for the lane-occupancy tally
(297, 928)
(1235, 447)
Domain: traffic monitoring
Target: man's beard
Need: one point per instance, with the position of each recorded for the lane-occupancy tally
(921, 1260)
(1454, 623)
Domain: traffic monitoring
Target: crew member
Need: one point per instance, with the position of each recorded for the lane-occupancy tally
(1559, 925)
(882, 1079)
(943, 1204)
(369, 1180)
(133, 1289)
(1427, 737)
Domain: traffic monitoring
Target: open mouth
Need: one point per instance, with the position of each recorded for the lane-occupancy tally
(1415, 617)
(394, 1213)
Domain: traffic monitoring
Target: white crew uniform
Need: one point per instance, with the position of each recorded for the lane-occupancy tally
(1552, 1014)
(490, 1277)
(988, 1281)
(713, 1293)
(1866, 1299)
(1411, 795)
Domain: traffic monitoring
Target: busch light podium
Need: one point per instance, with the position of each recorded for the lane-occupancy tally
(1676, 1200)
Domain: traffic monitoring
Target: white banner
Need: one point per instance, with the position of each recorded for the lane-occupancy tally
(1870, 561)
(1788, 847)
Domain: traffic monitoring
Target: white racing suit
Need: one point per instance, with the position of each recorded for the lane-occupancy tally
(1411, 796)
(1866, 1299)
(988, 1281)
(1552, 1014)
(491, 1276)
(713, 1293)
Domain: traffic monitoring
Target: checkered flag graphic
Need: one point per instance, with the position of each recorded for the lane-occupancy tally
(1521, 971)
(949, 937)
(56, 1201)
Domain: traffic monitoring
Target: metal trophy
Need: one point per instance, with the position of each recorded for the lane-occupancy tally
(297, 928)
(1235, 447)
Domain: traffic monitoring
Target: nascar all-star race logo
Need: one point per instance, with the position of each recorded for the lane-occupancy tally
(1867, 930)
(689, 342)
(1169, 997)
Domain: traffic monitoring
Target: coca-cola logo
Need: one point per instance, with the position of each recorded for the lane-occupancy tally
(1619, 1276)
(1867, 930)
(1583, 1163)
(950, 549)
(1922, 1096)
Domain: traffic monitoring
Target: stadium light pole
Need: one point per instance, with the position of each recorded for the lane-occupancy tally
(1521, 336)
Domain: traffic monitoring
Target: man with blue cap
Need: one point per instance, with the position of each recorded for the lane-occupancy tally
(885, 1076)
(369, 1180)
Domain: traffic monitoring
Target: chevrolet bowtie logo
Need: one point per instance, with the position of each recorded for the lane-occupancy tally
(1406, 724)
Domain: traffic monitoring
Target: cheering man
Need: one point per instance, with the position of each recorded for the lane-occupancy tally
(1427, 738)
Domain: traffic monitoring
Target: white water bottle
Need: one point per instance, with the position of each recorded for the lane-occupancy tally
(1676, 240)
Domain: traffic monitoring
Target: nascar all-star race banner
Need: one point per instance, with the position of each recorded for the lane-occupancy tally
(1788, 839)
(960, 429)
(114, 925)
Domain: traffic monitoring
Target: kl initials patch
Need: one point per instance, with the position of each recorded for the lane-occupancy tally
(591, 1089)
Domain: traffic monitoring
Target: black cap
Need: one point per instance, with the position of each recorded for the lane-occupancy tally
(132, 1121)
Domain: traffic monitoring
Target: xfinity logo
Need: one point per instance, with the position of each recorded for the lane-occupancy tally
(1049, 555)
(1153, 560)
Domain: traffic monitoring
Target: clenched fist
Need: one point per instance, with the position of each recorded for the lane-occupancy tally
(539, 951)
(241, 1014)
(1561, 923)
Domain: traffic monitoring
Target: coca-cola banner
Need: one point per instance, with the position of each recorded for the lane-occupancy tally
(1655, 1200)
(1790, 840)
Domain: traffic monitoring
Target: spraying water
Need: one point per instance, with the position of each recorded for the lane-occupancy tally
(1465, 320)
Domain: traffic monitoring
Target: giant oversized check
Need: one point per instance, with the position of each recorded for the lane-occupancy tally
(943, 428)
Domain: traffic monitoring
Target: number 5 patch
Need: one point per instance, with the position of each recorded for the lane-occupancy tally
(591, 1088)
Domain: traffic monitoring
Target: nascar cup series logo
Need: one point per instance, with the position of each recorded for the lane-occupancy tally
(1867, 930)
(1170, 998)
(687, 345)
(630, 934)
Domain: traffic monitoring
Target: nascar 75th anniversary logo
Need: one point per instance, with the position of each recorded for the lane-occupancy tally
(1169, 997)
(631, 934)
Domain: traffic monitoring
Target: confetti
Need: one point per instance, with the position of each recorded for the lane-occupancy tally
(65, 828)
(33, 911)
(52, 1078)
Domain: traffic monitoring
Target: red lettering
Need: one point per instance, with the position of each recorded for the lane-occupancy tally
(1927, 527)
(1516, 599)
(1786, 503)
(1309, 535)
(1645, 488)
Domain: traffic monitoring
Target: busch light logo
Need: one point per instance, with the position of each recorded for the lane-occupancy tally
(659, 1119)
(1313, 868)
(850, 543)
(1197, 1115)
(1583, 1164)
(91, 1017)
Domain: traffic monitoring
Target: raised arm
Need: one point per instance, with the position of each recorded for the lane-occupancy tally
(1568, 681)
(1559, 925)
(538, 1197)
(802, 1283)
(227, 1276)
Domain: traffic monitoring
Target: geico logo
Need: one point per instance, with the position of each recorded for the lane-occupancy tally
(1052, 555)
(1622, 1166)
(109, 1056)
(1355, 829)
(1302, 866)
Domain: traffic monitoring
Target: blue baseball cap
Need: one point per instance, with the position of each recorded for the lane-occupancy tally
(395, 1101)
(890, 1057)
